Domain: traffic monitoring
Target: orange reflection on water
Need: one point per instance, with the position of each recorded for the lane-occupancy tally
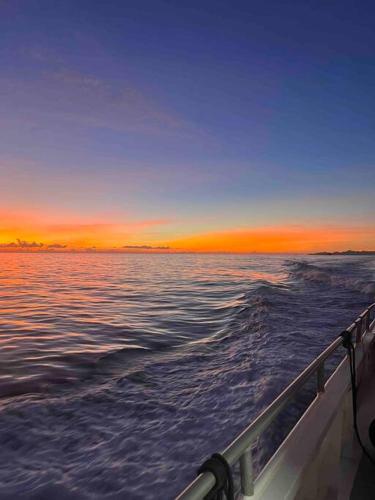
(271, 277)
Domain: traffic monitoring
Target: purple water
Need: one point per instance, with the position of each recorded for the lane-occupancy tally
(119, 374)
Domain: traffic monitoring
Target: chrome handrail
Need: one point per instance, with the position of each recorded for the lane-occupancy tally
(240, 449)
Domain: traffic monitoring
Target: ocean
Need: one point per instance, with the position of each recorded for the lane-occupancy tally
(121, 373)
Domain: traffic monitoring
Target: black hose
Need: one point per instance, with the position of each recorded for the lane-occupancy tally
(220, 468)
(348, 344)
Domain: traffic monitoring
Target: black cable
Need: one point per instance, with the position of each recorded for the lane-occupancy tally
(348, 344)
(220, 468)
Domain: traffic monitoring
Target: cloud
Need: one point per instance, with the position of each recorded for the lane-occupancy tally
(56, 245)
(21, 244)
(76, 78)
(66, 97)
(145, 247)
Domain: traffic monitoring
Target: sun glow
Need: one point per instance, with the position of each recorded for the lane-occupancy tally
(281, 239)
(36, 233)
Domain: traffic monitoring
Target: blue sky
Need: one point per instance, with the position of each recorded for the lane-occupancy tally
(208, 115)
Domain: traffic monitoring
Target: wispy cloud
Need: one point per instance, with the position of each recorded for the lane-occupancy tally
(21, 244)
(76, 78)
(56, 245)
(146, 247)
(60, 95)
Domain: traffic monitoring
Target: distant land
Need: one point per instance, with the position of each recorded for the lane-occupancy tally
(347, 252)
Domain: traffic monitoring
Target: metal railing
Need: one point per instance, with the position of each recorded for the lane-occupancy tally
(240, 449)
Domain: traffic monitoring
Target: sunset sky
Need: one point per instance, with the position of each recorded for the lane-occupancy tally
(176, 126)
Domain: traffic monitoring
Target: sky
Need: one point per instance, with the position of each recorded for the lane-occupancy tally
(243, 126)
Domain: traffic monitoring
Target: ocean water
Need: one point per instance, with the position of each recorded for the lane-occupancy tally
(120, 374)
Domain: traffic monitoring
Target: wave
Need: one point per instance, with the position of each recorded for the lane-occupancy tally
(340, 276)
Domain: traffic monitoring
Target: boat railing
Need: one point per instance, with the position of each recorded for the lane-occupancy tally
(240, 450)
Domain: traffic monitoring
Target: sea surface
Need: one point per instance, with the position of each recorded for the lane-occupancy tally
(121, 373)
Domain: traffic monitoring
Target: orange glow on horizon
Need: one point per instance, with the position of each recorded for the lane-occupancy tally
(36, 233)
(282, 239)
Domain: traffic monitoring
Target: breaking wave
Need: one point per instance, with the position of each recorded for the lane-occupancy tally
(339, 276)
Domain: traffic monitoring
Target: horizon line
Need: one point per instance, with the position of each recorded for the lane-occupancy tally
(180, 252)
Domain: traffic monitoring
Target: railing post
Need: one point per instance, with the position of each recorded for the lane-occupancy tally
(247, 474)
(320, 378)
(358, 330)
(368, 320)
